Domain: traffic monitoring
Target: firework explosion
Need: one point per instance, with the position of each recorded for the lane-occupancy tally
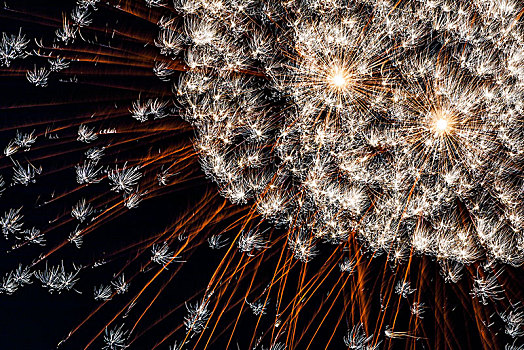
(371, 153)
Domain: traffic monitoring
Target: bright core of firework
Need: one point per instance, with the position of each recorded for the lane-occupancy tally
(339, 79)
(341, 153)
(442, 125)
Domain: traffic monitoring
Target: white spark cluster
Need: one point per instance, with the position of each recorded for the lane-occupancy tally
(400, 124)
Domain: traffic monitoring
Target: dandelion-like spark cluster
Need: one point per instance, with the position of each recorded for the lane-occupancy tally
(399, 123)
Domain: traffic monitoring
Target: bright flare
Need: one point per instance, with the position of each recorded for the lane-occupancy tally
(339, 80)
(442, 125)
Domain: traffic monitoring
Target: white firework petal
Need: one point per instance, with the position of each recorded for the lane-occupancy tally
(486, 288)
(11, 222)
(76, 238)
(514, 322)
(170, 43)
(124, 179)
(80, 16)
(161, 254)
(33, 235)
(38, 76)
(68, 32)
(56, 278)
(12, 47)
(417, 309)
(58, 64)
(252, 240)
(95, 153)
(132, 200)
(197, 316)
(87, 173)
(25, 140)
(86, 134)
(258, 307)
(115, 339)
(403, 288)
(120, 285)
(11, 148)
(303, 247)
(25, 176)
(103, 293)
(15, 279)
(82, 210)
(217, 241)
(347, 266)
(356, 339)
(162, 70)
(155, 3)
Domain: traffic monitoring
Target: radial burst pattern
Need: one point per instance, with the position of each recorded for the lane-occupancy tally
(402, 125)
(266, 174)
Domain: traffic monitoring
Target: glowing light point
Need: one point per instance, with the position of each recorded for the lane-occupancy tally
(338, 80)
(442, 125)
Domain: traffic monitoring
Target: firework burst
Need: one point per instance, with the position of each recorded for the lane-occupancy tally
(370, 153)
